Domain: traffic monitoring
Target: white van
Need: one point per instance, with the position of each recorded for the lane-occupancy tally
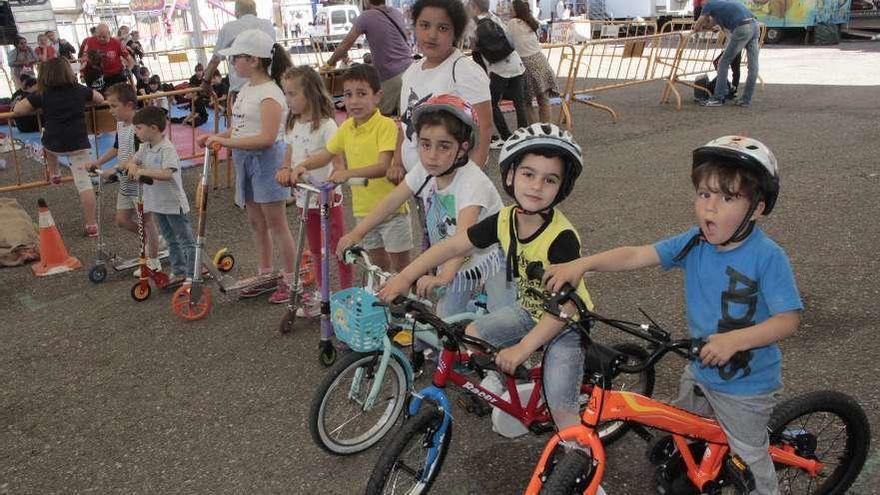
(333, 22)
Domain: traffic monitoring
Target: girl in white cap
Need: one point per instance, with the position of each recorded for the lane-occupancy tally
(256, 139)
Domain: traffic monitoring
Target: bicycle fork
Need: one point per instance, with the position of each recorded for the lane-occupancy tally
(378, 373)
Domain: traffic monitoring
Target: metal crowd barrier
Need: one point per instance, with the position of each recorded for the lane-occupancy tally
(175, 66)
(98, 120)
(603, 65)
(583, 30)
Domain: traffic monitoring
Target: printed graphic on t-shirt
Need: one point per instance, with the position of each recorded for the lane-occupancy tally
(525, 287)
(407, 117)
(441, 217)
(738, 305)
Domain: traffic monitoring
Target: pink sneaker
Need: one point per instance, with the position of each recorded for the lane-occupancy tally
(281, 294)
(92, 230)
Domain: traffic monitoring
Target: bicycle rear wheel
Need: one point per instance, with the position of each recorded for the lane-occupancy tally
(338, 420)
(411, 461)
(828, 426)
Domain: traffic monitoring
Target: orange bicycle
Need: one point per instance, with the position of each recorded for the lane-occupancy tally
(818, 441)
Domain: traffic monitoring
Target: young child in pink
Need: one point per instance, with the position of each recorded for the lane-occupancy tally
(310, 125)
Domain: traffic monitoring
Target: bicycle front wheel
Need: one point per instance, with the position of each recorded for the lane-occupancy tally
(412, 460)
(340, 420)
(829, 427)
(570, 475)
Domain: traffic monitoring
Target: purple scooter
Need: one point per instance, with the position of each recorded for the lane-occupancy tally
(324, 190)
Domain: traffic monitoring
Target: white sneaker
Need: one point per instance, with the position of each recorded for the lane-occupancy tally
(154, 265)
(309, 305)
(496, 143)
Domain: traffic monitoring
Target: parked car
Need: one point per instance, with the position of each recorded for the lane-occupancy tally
(332, 23)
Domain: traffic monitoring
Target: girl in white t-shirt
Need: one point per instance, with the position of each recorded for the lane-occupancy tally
(256, 139)
(454, 194)
(439, 26)
(309, 126)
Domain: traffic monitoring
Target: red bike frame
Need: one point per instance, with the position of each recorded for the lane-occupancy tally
(531, 413)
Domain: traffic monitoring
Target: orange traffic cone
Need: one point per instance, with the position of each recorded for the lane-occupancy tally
(53, 254)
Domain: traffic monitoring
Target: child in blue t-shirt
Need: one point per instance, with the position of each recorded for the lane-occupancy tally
(739, 290)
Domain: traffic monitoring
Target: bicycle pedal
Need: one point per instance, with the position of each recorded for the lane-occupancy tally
(474, 406)
(738, 474)
(661, 451)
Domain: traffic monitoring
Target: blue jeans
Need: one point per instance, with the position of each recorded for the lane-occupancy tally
(563, 356)
(743, 37)
(177, 232)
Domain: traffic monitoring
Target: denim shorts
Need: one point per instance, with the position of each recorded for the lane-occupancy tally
(394, 234)
(563, 356)
(255, 175)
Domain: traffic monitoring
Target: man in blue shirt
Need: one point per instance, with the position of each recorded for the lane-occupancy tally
(743, 33)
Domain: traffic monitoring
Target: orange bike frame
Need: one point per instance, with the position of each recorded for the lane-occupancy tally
(609, 405)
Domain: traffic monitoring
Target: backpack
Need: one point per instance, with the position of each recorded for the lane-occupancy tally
(709, 84)
(492, 42)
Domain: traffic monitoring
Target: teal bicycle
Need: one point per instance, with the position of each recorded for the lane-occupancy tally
(363, 395)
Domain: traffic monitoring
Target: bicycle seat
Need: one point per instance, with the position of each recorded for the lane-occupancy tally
(602, 359)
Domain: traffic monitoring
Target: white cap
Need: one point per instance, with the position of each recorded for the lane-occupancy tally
(252, 42)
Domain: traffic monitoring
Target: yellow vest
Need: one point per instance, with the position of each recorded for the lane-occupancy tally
(536, 249)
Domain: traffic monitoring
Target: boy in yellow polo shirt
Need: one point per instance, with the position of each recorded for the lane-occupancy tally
(367, 140)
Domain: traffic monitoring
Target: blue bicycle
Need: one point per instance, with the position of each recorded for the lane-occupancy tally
(363, 395)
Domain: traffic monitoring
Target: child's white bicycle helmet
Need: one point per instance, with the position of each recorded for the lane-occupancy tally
(749, 154)
(542, 138)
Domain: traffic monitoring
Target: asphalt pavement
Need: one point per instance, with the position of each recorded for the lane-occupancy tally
(104, 395)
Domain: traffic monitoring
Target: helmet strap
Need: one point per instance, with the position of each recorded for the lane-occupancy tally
(461, 160)
(741, 233)
(747, 225)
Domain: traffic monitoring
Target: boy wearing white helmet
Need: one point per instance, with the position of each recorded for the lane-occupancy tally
(740, 293)
(539, 165)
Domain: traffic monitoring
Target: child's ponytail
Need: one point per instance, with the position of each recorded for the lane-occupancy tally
(278, 64)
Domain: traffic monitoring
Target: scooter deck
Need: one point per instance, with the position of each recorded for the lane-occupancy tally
(119, 264)
(228, 284)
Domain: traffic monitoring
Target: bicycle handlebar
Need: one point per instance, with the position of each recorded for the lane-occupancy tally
(419, 311)
(687, 348)
(310, 183)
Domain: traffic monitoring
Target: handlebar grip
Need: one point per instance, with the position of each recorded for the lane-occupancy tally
(487, 363)
(146, 180)
(739, 361)
(357, 181)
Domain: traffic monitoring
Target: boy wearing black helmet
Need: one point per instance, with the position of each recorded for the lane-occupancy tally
(539, 165)
(739, 290)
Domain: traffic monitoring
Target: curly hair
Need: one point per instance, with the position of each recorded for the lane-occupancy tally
(454, 9)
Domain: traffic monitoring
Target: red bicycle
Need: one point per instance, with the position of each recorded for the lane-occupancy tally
(412, 459)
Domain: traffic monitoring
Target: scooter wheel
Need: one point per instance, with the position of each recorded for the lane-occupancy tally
(141, 292)
(97, 274)
(286, 325)
(183, 305)
(328, 354)
(226, 263)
